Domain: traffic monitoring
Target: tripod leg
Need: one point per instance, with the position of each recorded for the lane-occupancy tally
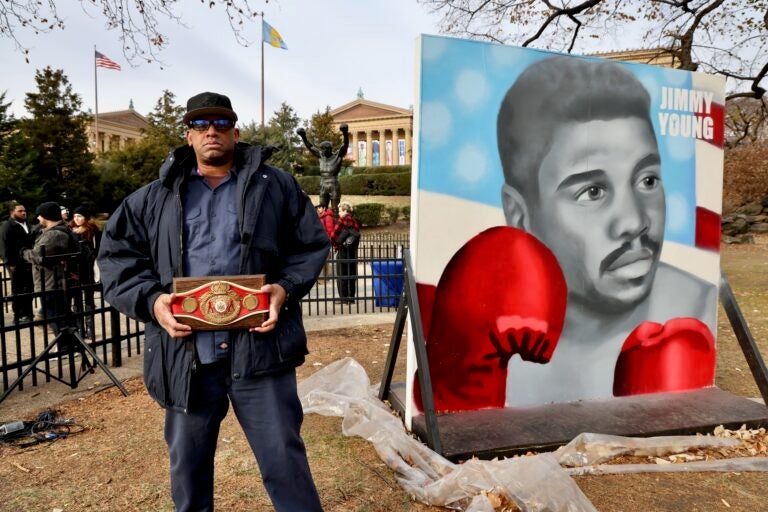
(29, 369)
(103, 366)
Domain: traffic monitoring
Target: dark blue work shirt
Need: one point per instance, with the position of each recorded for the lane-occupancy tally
(211, 245)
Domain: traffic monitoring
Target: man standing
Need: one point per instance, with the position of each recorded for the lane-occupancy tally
(330, 166)
(218, 209)
(15, 237)
(48, 274)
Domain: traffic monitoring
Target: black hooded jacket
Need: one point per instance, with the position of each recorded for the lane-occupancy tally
(280, 236)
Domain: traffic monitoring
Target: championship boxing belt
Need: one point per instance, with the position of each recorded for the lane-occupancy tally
(220, 302)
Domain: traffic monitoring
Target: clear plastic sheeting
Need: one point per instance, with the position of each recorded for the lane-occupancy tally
(533, 483)
(587, 449)
(736, 465)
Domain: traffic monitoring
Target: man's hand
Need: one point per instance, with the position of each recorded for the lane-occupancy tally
(163, 315)
(301, 131)
(344, 127)
(277, 296)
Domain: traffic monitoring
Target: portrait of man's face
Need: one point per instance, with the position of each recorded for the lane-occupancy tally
(601, 209)
(589, 160)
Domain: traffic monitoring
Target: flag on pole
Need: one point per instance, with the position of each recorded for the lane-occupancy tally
(272, 36)
(102, 61)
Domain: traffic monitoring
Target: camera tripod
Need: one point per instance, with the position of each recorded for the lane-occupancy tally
(68, 340)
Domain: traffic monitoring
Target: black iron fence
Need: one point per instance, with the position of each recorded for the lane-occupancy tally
(375, 275)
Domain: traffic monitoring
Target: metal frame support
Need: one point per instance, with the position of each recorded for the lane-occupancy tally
(409, 306)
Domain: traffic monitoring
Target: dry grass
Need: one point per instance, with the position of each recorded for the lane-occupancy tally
(120, 461)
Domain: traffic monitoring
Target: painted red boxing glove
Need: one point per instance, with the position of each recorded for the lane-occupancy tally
(676, 356)
(426, 294)
(502, 293)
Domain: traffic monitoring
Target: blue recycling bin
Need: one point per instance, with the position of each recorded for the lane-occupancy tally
(387, 282)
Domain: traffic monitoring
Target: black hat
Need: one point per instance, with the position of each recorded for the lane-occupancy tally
(49, 211)
(209, 103)
(82, 210)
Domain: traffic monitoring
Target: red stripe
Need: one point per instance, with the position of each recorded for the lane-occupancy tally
(717, 114)
(102, 61)
(707, 229)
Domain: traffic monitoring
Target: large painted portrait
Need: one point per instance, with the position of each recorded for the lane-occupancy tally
(565, 226)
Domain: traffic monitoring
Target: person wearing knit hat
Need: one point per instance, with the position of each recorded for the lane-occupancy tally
(82, 210)
(54, 239)
(89, 235)
(49, 211)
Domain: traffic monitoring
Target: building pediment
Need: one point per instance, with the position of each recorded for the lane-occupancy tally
(656, 56)
(126, 118)
(364, 109)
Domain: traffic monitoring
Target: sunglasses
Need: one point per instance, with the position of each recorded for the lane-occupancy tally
(220, 125)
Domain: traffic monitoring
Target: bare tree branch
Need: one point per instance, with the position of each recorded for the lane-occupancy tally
(138, 23)
(725, 37)
(570, 12)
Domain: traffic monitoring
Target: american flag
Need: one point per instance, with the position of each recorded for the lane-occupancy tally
(102, 61)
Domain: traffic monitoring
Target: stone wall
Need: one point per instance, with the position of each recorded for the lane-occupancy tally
(739, 226)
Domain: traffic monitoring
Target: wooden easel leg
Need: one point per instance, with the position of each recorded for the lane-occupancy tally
(743, 334)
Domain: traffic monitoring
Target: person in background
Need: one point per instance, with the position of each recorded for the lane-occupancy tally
(16, 237)
(85, 229)
(346, 238)
(64, 213)
(89, 235)
(329, 222)
(54, 239)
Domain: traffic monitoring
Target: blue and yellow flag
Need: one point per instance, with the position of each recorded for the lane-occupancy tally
(272, 36)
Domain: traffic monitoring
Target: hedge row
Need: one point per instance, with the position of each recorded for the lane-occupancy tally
(382, 169)
(349, 170)
(394, 184)
(377, 214)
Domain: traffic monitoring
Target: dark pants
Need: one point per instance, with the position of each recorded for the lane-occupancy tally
(22, 288)
(56, 310)
(346, 272)
(269, 411)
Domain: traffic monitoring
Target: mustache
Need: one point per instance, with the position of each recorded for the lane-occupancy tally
(646, 242)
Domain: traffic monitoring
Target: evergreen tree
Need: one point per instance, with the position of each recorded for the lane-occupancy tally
(57, 131)
(166, 128)
(321, 129)
(126, 170)
(17, 179)
(281, 133)
(283, 127)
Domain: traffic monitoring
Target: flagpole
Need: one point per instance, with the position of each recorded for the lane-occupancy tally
(96, 97)
(262, 69)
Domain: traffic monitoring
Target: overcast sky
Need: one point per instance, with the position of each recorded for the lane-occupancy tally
(335, 47)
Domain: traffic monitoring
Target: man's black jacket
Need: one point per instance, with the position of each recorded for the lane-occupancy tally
(280, 236)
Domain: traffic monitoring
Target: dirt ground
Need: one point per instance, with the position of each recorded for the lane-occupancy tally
(119, 463)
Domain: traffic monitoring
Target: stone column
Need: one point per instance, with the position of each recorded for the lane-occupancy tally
(408, 147)
(369, 148)
(353, 141)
